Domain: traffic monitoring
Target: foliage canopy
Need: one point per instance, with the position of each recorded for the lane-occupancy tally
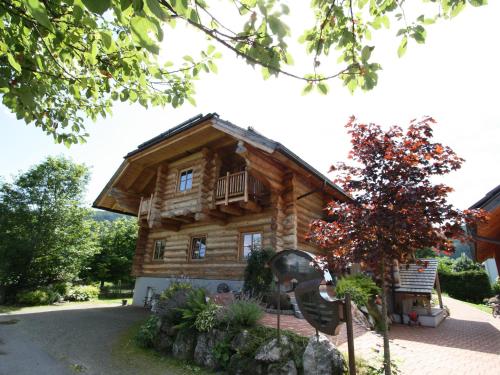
(45, 233)
(64, 60)
(116, 242)
(397, 208)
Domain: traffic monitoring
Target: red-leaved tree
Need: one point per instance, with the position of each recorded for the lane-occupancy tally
(397, 207)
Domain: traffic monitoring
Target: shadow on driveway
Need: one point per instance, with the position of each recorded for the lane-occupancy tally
(65, 341)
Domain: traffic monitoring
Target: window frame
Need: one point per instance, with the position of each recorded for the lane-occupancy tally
(153, 258)
(190, 248)
(250, 231)
(179, 179)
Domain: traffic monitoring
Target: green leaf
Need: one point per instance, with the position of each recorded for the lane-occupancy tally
(322, 88)
(141, 27)
(97, 6)
(107, 40)
(478, 3)
(307, 89)
(402, 46)
(366, 53)
(156, 9)
(457, 7)
(13, 62)
(38, 11)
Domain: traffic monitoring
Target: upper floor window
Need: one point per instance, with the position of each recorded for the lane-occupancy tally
(186, 180)
(159, 250)
(251, 242)
(198, 247)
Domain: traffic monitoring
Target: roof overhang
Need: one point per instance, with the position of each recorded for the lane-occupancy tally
(187, 139)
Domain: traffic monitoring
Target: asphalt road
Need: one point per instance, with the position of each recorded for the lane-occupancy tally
(65, 341)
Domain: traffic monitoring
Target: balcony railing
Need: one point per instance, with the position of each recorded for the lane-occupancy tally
(236, 187)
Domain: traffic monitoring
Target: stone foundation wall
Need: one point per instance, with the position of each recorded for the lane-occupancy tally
(161, 283)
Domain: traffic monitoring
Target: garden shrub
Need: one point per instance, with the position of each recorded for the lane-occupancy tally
(174, 287)
(243, 313)
(496, 287)
(82, 293)
(258, 277)
(147, 333)
(196, 303)
(222, 352)
(464, 263)
(207, 318)
(445, 264)
(38, 297)
(361, 288)
(471, 286)
(61, 288)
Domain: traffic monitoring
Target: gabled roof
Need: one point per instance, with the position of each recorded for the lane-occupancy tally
(415, 278)
(490, 200)
(249, 136)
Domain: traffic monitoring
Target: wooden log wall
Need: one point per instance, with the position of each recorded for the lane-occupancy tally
(140, 250)
(308, 208)
(223, 253)
(177, 202)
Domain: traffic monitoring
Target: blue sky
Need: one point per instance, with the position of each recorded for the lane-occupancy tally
(453, 77)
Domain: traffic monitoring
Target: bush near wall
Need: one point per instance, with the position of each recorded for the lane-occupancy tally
(471, 286)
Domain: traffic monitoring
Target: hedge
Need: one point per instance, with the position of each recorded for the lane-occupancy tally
(471, 286)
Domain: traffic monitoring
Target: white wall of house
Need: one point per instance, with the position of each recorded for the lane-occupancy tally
(491, 269)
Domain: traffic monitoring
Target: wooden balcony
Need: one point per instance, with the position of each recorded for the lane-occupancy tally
(236, 187)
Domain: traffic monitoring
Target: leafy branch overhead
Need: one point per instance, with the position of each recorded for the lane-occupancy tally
(62, 61)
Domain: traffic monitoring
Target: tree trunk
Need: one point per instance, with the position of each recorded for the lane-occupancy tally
(385, 333)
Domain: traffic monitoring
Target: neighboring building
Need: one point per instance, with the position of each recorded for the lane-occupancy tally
(206, 194)
(487, 235)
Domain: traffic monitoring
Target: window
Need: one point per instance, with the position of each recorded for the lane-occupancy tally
(186, 180)
(198, 247)
(251, 242)
(159, 249)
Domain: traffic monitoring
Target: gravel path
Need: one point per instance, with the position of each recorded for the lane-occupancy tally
(77, 338)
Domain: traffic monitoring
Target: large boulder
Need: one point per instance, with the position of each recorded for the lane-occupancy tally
(241, 365)
(205, 345)
(168, 309)
(359, 317)
(274, 351)
(321, 357)
(184, 344)
(288, 368)
(240, 342)
(163, 343)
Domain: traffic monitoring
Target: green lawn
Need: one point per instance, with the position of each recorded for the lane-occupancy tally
(148, 361)
(8, 308)
(15, 308)
(480, 306)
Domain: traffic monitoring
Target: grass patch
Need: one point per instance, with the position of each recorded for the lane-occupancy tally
(148, 361)
(4, 309)
(479, 306)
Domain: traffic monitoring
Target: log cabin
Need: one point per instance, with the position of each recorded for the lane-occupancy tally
(206, 194)
(486, 245)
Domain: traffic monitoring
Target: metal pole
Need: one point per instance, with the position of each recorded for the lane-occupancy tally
(350, 334)
(279, 310)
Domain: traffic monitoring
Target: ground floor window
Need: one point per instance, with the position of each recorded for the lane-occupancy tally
(251, 242)
(198, 247)
(159, 250)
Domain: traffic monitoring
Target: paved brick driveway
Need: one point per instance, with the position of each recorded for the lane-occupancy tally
(466, 343)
